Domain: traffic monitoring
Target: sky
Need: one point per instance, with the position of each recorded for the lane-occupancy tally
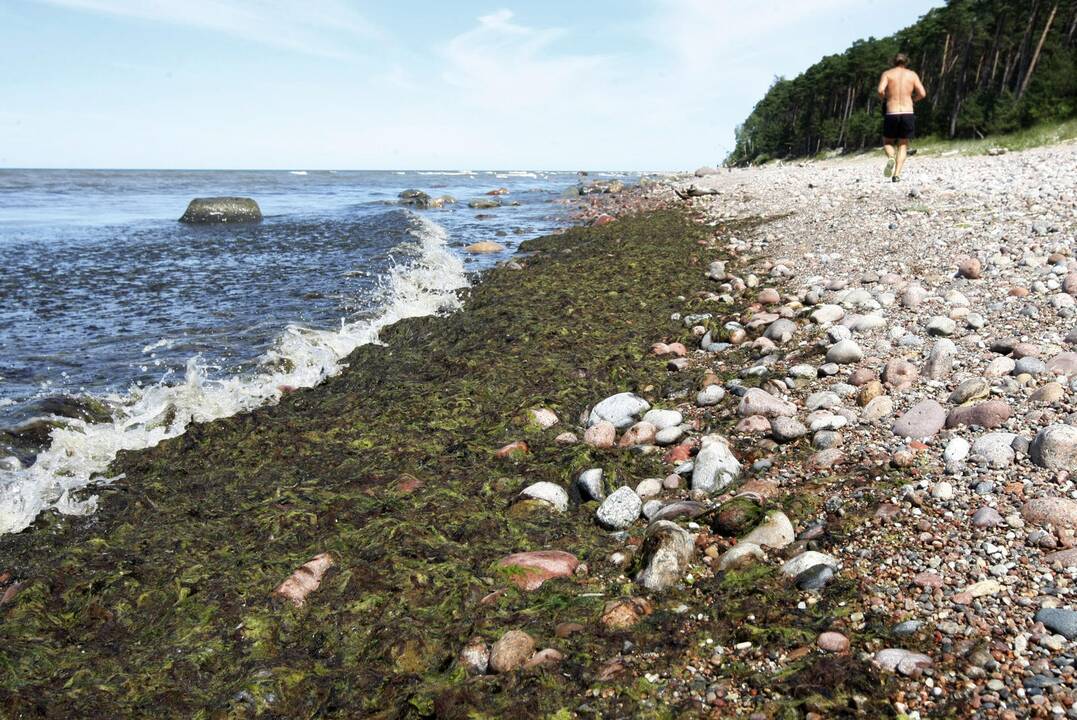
(359, 84)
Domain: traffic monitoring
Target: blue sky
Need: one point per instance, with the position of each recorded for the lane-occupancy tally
(352, 84)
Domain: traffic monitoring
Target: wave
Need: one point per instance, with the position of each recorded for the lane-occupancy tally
(297, 172)
(301, 357)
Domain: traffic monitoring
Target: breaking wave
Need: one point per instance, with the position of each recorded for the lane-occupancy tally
(302, 357)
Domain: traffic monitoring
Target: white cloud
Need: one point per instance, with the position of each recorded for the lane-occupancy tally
(323, 27)
(502, 64)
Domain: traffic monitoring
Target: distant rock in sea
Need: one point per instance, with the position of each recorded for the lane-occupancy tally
(213, 210)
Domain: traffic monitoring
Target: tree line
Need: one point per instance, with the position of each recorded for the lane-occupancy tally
(990, 66)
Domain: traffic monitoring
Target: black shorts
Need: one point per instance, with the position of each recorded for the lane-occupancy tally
(901, 126)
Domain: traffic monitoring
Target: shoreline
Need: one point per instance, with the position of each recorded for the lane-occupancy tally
(832, 568)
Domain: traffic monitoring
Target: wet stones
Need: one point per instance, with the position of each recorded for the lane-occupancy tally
(741, 555)
(511, 651)
(833, 642)
(667, 549)
(620, 410)
(1055, 447)
(620, 509)
(550, 493)
(715, 465)
(807, 560)
(776, 531)
(923, 420)
(736, 517)
(623, 614)
(902, 661)
(532, 569)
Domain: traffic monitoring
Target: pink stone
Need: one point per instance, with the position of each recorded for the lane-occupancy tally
(833, 642)
(600, 435)
(754, 424)
(535, 568)
(642, 433)
(928, 580)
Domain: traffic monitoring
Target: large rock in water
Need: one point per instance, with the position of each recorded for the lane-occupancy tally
(214, 210)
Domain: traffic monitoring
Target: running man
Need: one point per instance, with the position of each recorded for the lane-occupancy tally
(899, 88)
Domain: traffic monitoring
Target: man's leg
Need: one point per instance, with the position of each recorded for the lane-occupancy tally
(888, 148)
(902, 153)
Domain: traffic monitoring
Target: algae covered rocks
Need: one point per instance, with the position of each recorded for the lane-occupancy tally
(221, 210)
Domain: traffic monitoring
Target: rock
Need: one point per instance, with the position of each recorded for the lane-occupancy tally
(827, 314)
(663, 419)
(567, 438)
(710, 395)
(513, 449)
(544, 659)
(814, 578)
(1065, 558)
(900, 374)
(1059, 620)
(475, 657)
(969, 390)
(620, 410)
(869, 391)
(942, 491)
(970, 268)
(532, 569)
(877, 409)
(715, 465)
(668, 436)
(956, 450)
(589, 483)
(940, 325)
(805, 560)
(753, 424)
(600, 435)
(984, 588)
(1057, 511)
(305, 580)
(986, 517)
(923, 420)
(548, 492)
(642, 433)
(844, 353)
(833, 642)
(620, 509)
(623, 614)
(1055, 447)
(823, 400)
(995, 450)
(780, 331)
(484, 248)
(415, 198)
(941, 360)
(220, 210)
(776, 531)
(544, 417)
(735, 517)
(786, 429)
(1000, 366)
(1048, 393)
(1063, 364)
(649, 488)
(665, 554)
(706, 170)
(905, 662)
(741, 555)
(1030, 366)
(987, 415)
(913, 296)
(511, 651)
(760, 402)
(682, 508)
(484, 204)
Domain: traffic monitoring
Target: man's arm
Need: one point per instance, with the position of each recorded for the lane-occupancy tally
(918, 89)
(883, 82)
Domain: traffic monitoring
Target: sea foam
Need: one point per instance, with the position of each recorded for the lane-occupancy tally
(302, 357)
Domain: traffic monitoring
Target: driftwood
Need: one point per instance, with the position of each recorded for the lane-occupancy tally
(692, 191)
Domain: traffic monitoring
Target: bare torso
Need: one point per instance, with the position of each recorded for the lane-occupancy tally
(901, 87)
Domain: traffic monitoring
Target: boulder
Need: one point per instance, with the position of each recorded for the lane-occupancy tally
(760, 402)
(620, 509)
(620, 410)
(219, 210)
(987, 415)
(532, 569)
(664, 556)
(715, 465)
(1057, 511)
(776, 531)
(1055, 447)
(922, 420)
(484, 248)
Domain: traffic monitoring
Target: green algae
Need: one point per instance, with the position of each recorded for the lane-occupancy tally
(160, 603)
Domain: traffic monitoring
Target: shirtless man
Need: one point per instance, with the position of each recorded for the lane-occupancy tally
(899, 88)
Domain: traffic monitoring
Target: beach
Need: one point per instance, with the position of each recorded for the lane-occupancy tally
(797, 448)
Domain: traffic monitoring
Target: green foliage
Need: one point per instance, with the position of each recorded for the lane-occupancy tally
(978, 60)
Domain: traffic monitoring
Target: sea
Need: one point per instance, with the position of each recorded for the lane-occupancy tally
(120, 326)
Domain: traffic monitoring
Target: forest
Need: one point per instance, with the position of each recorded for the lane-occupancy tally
(989, 66)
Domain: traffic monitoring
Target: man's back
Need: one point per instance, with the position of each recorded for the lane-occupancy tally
(900, 86)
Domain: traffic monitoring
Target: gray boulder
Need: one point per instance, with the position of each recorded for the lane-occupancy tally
(219, 210)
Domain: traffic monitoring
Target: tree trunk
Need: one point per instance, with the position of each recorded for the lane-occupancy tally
(1036, 55)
